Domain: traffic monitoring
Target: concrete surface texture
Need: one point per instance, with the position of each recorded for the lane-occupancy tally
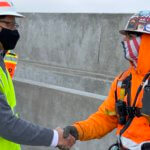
(79, 51)
(52, 108)
(66, 65)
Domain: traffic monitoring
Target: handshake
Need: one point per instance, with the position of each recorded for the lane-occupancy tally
(66, 137)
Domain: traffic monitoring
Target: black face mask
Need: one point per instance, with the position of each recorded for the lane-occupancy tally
(9, 38)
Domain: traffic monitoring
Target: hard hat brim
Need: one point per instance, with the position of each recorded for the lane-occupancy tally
(12, 14)
(124, 32)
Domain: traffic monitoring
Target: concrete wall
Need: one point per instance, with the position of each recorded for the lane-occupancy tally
(79, 51)
(51, 107)
(66, 65)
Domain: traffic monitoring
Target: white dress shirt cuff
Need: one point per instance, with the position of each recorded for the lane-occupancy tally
(55, 139)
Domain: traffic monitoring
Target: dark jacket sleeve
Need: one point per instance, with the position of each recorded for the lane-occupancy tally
(21, 131)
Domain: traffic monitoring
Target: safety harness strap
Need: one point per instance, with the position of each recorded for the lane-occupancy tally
(132, 111)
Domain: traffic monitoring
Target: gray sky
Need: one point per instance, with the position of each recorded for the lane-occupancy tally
(91, 6)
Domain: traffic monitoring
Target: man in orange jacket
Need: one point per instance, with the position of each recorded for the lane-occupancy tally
(127, 105)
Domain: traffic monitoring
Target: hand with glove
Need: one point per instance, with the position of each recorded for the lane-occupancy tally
(70, 130)
(65, 143)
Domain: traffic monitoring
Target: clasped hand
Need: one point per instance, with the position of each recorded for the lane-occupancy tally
(65, 143)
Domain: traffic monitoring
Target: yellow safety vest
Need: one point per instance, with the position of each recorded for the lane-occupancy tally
(7, 88)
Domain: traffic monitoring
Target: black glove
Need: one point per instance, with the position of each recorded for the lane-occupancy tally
(70, 130)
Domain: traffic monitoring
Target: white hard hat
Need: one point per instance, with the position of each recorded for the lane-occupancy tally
(7, 8)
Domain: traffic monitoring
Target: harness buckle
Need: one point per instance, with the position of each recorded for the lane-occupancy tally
(133, 111)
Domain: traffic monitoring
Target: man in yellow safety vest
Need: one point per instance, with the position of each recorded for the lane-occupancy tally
(14, 130)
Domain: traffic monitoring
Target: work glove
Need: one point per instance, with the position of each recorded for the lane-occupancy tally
(70, 130)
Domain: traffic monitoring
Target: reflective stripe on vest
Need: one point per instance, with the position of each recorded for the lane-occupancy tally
(11, 59)
(7, 88)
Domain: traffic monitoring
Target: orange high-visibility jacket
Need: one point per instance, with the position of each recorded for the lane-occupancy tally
(105, 120)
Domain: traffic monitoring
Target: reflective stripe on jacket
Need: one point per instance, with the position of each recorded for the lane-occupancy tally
(131, 145)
